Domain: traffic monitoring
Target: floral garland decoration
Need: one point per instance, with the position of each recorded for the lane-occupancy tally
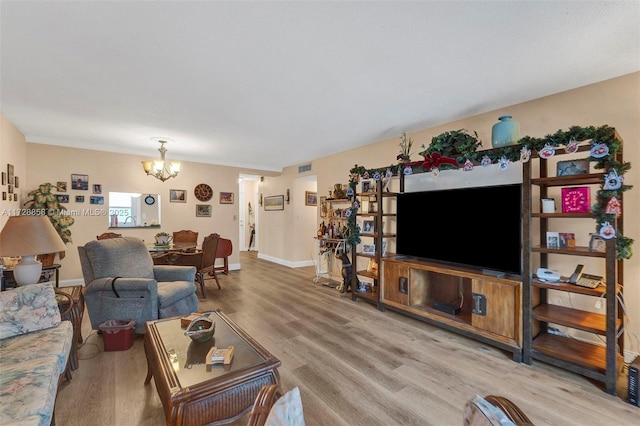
(598, 136)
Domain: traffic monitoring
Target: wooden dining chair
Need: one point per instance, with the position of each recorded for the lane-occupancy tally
(209, 251)
(185, 236)
(108, 235)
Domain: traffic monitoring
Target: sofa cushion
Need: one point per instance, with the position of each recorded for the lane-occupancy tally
(28, 308)
(52, 341)
(173, 291)
(117, 257)
(29, 388)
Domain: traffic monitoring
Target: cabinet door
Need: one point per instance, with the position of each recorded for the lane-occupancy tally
(396, 283)
(503, 315)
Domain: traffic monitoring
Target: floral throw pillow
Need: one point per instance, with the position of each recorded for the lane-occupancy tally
(28, 308)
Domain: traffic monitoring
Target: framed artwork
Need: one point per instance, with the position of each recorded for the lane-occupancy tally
(96, 199)
(97, 188)
(10, 189)
(368, 186)
(369, 249)
(4, 178)
(79, 198)
(61, 186)
(80, 182)
(15, 197)
(226, 198)
(177, 195)
(4, 195)
(15, 182)
(63, 198)
(597, 243)
(572, 167)
(203, 210)
(553, 240)
(367, 227)
(310, 198)
(274, 202)
(576, 199)
(324, 208)
(10, 174)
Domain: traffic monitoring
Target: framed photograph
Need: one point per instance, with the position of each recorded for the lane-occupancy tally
(567, 240)
(79, 198)
(367, 226)
(4, 195)
(226, 198)
(553, 240)
(63, 198)
(4, 178)
(61, 186)
(203, 210)
(572, 167)
(80, 182)
(597, 243)
(372, 266)
(310, 198)
(368, 186)
(97, 188)
(177, 195)
(369, 249)
(10, 174)
(274, 202)
(10, 189)
(324, 208)
(96, 199)
(15, 182)
(15, 197)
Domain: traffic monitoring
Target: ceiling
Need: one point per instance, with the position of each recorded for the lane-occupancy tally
(269, 84)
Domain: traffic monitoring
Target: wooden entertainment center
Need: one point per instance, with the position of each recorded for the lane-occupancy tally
(490, 307)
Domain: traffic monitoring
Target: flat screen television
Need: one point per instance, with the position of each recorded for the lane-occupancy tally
(478, 227)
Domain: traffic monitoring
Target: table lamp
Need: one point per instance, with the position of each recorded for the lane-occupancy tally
(29, 236)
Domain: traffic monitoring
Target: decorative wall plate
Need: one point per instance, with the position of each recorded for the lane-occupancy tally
(203, 192)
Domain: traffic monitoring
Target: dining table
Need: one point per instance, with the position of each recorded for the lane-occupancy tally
(163, 248)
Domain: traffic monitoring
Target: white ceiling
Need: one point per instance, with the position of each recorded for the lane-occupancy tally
(270, 84)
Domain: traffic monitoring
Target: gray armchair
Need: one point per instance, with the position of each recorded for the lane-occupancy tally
(141, 291)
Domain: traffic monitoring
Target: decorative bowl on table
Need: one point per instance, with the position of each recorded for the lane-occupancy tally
(201, 329)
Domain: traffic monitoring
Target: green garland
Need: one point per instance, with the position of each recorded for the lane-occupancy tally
(596, 135)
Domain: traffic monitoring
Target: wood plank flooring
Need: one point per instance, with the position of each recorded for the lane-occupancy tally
(354, 365)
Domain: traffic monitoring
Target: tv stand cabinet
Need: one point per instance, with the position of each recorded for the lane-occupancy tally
(488, 308)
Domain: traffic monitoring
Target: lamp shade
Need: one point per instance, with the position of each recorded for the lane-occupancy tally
(28, 236)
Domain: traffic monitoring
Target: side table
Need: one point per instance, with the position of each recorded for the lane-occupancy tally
(75, 316)
(47, 271)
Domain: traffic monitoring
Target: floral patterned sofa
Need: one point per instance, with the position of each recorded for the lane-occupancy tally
(34, 350)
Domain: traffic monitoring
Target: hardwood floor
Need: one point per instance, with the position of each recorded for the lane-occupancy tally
(353, 364)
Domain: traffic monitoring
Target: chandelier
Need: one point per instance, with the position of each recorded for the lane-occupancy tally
(159, 168)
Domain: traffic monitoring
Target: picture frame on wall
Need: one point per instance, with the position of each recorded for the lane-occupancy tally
(203, 210)
(177, 195)
(274, 202)
(79, 198)
(61, 186)
(97, 188)
(310, 198)
(4, 195)
(96, 199)
(80, 182)
(4, 178)
(10, 174)
(226, 198)
(15, 197)
(16, 182)
(63, 198)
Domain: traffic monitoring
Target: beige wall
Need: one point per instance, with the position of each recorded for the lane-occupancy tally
(12, 151)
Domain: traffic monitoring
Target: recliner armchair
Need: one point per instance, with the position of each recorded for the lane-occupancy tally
(141, 291)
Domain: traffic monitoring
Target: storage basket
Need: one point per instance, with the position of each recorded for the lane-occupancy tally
(117, 334)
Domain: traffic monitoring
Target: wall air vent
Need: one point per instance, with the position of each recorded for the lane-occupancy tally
(304, 168)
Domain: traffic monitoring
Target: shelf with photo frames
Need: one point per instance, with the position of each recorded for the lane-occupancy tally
(376, 219)
(541, 311)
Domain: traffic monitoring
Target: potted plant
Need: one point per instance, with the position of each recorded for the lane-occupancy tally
(44, 202)
(162, 238)
(405, 148)
(457, 144)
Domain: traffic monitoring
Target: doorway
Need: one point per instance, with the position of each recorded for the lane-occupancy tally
(248, 212)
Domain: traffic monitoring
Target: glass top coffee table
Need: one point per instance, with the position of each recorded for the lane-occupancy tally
(193, 393)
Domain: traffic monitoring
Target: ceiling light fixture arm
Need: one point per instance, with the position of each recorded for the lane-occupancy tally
(159, 168)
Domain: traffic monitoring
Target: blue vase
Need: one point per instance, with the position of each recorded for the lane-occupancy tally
(505, 132)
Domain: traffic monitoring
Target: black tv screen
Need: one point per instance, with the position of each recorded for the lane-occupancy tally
(478, 227)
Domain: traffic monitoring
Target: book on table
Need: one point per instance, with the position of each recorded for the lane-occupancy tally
(220, 355)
